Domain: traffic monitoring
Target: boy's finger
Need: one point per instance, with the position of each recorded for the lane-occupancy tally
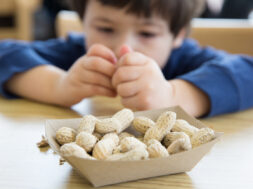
(132, 58)
(100, 65)
(136, 102)
(124, 50)
(96, 78)
(94, 90)
(129, 89)
(103, 52)
(126, 73)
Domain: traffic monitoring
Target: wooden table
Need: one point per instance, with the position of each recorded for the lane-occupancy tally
(23, 165)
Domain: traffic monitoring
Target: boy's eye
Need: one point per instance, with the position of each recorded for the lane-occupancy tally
(105, 29)
(147, 34)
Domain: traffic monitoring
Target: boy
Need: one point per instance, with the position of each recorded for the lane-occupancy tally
(134, 49)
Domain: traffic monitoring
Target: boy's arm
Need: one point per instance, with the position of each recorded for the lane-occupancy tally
(189, 97)
(226, 79)
(39, 83)
(19, 58)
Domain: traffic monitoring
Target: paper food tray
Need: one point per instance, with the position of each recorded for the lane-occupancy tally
(101, 172)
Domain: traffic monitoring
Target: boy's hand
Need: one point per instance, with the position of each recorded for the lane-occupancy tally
(90, 75)
(140, 83)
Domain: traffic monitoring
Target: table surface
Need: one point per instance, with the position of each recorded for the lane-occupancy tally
(23, 165)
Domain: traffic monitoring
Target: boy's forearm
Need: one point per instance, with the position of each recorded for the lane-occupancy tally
(190, 98)
(39, 83)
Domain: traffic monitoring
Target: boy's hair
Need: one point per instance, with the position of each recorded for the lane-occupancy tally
(178, 13)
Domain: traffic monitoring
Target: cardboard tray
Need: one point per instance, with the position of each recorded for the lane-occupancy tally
(101, 172)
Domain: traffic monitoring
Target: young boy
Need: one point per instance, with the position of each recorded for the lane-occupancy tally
(135, 49)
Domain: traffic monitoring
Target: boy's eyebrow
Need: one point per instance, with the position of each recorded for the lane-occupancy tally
(102, 19)
(151, 23)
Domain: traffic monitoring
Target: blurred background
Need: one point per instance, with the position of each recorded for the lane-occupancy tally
(45, 19)
(29, 19)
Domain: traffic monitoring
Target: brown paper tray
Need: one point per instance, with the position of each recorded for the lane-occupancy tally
(101, 173)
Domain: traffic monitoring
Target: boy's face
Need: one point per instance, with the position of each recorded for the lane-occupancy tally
(114, 27)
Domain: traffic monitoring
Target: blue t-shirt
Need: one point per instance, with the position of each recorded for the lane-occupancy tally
(226, 79)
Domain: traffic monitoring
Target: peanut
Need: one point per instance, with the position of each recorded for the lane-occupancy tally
(112, 136)
(172, 136)
(130, 143)
(65, 135)
(163, 125)
(124, 135)
(154, 133)
(125, 117)
(72, 149)
(86, 140)
(142, 124)
(179, 145)
(183, 126)
(156, 149)
(105, 146)
(116, 150)
(202, 136)
(166, 120)
(98, 135)
(107, 125)
(118, 122)
(139, 153)
(87, 124)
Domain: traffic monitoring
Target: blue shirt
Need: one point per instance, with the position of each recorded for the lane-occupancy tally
(226, 79)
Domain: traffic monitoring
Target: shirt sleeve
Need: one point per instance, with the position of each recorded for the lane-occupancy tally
(226, 79)
(19, 56)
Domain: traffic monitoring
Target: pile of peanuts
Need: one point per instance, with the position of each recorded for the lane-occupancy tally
(103, 139)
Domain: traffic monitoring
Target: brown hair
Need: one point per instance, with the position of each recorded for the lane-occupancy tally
(178, 13)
